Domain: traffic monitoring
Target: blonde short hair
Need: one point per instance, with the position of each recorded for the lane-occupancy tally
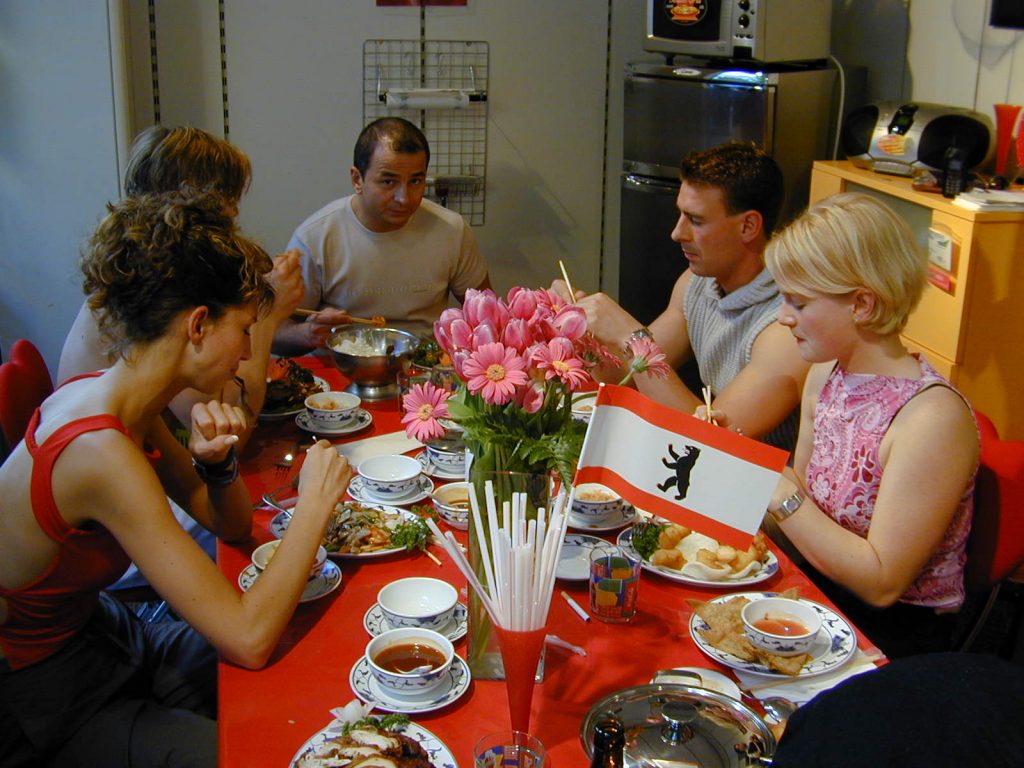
(848, 242)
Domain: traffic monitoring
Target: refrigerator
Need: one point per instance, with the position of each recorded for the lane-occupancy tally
(670, 110)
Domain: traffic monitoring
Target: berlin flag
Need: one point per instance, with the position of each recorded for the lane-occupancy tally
(679, 467)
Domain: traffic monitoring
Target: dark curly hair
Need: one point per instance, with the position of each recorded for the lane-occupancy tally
(749, 178)
(155, 256)
(395, 132)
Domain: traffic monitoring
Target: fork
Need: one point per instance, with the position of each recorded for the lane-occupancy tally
(284, 464)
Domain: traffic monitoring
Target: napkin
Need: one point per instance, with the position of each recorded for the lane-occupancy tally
(380, 445)
(800, 690)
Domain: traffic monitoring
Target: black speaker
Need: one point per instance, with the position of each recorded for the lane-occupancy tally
(953, 131)
(1007, 13)
(855, 136)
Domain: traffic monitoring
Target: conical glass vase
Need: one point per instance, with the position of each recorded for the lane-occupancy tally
(483, 650)
(520, 652)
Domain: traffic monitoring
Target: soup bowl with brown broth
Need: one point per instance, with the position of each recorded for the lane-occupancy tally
(409, 661)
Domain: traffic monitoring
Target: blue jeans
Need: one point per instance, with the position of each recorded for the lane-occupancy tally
(122, 693)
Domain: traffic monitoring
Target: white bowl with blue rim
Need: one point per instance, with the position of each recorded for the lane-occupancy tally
(392, 476)
(418, 601)
(596, 503)
(330, 410)
(428, 642)
(780, 625)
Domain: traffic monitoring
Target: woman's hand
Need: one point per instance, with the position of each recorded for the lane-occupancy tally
(286, 280)
(216, 426)
(325, 473)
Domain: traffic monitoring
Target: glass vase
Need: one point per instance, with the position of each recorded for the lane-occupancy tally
(483, 649)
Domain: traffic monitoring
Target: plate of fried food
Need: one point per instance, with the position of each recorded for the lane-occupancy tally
(717, 629)
(288, 386)
(361, 530)
(391, 740)
(679, 553)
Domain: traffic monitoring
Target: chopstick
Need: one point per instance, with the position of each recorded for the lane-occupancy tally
(377, 320)
(707, 403)
(568, 282)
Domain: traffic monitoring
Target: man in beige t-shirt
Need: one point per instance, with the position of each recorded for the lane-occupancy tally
(384, 250)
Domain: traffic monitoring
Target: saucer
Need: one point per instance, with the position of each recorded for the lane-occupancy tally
(357, 490)
(574, 559)
(326, 582)
(581, 524)
(435, 471)
(375, 623)
(361, 420)
(366, 687)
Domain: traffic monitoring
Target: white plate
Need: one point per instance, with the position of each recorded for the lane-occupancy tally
(375, 623)
(300, 408)
(357, 490)
(440, 755)
(581, 524)
(574, 559)
(361, 420)
(279, 524)
(834, 645)
(768, 568)
(438, 472)
(366, 687)
(326, 582)
(709, 678)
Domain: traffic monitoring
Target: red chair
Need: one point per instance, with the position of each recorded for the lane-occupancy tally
(995, 549)
(24, 383)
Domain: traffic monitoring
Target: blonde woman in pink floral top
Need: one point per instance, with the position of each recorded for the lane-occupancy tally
(879, 498)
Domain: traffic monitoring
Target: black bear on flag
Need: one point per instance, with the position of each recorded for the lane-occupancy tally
(683, 466)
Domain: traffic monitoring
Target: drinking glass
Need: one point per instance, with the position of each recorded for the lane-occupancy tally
(510, 748)
(614, 584)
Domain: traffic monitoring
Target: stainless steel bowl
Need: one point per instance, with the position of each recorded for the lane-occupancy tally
(372, 359)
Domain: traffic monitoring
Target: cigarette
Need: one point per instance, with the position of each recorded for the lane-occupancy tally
(432, 556)
(575, 606)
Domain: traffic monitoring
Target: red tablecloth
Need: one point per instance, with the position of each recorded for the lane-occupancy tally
(266, 715)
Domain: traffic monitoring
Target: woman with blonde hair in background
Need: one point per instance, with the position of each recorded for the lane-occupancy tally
(879, 497)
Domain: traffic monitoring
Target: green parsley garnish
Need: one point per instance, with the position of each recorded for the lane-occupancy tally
(392, 722)
(645, 538)
(411, 534)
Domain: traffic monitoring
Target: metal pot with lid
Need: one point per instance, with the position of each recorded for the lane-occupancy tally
(677, 725)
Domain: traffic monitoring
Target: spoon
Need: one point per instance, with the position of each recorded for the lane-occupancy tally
(419, 670)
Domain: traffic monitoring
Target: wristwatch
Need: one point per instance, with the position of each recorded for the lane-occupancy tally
(788, 506)
(643, 332)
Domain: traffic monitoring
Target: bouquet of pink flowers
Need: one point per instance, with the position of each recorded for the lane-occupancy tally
(519, 361)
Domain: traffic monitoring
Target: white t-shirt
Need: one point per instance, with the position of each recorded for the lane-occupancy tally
(405, 275)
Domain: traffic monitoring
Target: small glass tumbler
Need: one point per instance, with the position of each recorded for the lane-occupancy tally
(614, 584)
(510, 748)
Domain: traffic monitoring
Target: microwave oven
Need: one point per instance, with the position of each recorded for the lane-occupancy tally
(757, 30)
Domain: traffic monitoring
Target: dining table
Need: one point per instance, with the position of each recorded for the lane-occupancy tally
(267, 715)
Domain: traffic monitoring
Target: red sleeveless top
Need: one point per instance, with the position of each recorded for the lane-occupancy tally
(47, 613)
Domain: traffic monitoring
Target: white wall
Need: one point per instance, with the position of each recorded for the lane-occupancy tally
(58, 159)
(294, 71)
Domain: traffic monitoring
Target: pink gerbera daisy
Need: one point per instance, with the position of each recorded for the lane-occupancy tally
(557, 361)
(647, 357)
(424, 405)
(494, 371)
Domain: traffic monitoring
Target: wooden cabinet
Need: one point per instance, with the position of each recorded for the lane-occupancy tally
(971, 316)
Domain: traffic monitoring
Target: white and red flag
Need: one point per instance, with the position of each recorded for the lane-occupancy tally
(679, 467)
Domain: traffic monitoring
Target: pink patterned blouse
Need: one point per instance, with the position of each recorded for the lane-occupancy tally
(853, 413)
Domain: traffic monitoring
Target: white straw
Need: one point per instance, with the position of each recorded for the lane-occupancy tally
(474, 508)
(451, 546)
